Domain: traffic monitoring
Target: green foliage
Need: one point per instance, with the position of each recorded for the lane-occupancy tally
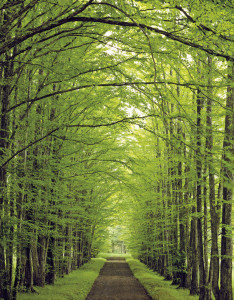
(100, 129)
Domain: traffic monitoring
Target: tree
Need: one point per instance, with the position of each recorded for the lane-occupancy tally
(98, 97)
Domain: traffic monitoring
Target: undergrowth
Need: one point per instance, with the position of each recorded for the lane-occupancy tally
(76, 285)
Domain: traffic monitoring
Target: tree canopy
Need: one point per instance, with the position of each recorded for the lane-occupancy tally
(116, 114)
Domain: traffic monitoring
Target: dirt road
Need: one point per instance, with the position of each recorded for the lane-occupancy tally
(116, 282)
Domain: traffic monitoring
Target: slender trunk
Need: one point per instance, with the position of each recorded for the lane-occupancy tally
(206, 261)
(187, 213)
(199, 199)
(228, 149)
(60, 252)
(68, 249)
(194, 290)
(182, 233)
(51, 264)
(5, 91)
(214, 260)
(17, 273)
(27, 266)
(18, 269)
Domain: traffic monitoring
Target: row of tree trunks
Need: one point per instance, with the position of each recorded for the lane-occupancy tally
(190, 239)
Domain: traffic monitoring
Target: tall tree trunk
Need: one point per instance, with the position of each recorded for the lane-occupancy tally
(214, 214)
(27, 266)
(5, 92)
(228, 149)
(194, 290)
(42, 250)
(199, 198)
(28, 276)
(206, 260)
(68, 249)
(182, 233)
(187, 212)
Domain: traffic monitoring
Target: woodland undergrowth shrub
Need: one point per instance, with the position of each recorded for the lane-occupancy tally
(155, 285)
(76, 285)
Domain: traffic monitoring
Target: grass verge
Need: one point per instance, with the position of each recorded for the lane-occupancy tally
(156, 286)
(76, 285)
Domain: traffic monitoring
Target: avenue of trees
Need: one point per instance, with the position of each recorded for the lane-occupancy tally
(116, 112)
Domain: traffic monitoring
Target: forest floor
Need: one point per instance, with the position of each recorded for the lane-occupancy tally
(116, 281)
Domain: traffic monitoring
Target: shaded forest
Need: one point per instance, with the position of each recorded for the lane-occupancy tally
(116, 113)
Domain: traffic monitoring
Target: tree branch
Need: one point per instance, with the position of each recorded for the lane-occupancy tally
(17, 40)
(124, 120)
(190, 85)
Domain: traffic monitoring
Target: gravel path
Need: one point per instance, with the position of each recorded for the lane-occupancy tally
(116, 282)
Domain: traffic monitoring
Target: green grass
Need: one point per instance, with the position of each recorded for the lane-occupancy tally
(76, 285)
(106, 255)
(156, 286)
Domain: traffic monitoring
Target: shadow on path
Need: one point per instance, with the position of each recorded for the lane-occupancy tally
(116, 282)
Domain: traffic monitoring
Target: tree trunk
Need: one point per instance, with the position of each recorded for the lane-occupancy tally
(182, 233)
(194, 290)
(28, 276)
(214, 260)
(51, 273)
(42, 250)
(5, 91)
(188, 241)
(228, 149)
(199, 199)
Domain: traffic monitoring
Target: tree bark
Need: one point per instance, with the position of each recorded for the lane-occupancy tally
(194, 290)
(228, 149)
(214, 214)
(5, 92)
(202, 275)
